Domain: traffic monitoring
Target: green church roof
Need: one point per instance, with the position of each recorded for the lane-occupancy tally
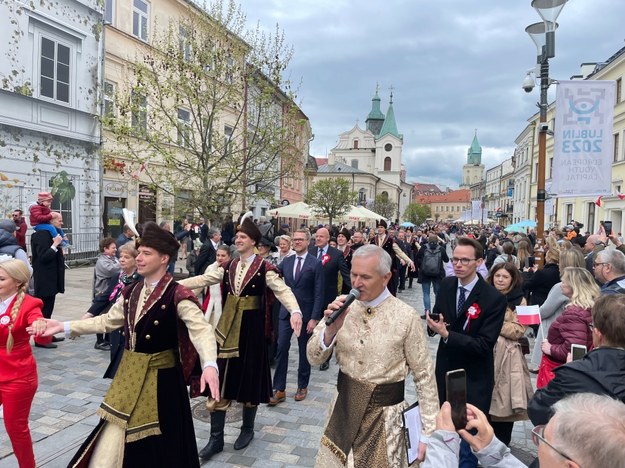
(376, 113)
(474, 154)
(390, 126)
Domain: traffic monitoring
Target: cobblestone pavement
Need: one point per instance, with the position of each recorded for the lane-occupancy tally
(71, 388)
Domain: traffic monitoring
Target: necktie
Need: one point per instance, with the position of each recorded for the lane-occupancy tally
(461, 299)
(320, 254)
(298, 268)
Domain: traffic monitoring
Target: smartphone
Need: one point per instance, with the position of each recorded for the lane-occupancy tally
(435, 316)
(607, 227)
(456, 383)
(578, 351)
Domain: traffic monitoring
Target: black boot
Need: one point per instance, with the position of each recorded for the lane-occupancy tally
(247, 429)
(216, 441)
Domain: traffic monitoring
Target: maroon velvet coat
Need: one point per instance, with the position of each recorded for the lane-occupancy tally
(571, 327)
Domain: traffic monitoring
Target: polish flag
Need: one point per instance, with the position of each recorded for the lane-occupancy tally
(621, 196)
(138, 172)
(528, 315)
(598, 202)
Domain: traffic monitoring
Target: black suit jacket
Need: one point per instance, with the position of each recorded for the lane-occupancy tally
(308, 289)
(207, 256)
(470, 349)
(48, 265)
(331, 269)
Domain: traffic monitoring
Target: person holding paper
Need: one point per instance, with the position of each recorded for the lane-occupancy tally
(378, 340)
(513, 387)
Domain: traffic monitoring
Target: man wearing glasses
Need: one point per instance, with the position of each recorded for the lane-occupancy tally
(470, 316)
(609, 270)
(601, 371)
(586, 432)
(303, 273)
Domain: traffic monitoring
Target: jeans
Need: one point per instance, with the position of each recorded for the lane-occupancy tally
(425, 286)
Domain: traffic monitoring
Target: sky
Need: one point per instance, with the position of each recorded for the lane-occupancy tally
(455, 66)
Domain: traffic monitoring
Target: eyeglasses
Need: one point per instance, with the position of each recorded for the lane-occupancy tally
(299, 240)
(538, 436)
(464, 261)
(591, 326)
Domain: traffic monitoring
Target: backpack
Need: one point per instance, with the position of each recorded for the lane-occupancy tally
(431, 264)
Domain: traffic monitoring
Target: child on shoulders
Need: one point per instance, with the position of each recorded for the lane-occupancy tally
(40, 216)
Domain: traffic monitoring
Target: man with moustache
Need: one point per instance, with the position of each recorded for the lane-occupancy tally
(333, 263)
(389, 244)
(248, 285)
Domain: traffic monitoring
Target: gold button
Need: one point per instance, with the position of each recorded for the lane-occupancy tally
(257, 274)
(253, 285)
(156, 322)
(163, 307)
(126, 301)
(123, 333)
(147, 337)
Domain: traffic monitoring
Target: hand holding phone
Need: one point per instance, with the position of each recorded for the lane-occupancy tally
(578, 351)
(607, 227)
(456, 384)
(435, 316)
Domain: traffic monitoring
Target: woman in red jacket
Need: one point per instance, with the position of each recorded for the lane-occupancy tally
(18, 371)
(573, 325)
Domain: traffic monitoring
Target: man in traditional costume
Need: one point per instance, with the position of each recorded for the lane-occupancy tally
(146, 416)
(249, 284)
(378, 339)
(389, 244)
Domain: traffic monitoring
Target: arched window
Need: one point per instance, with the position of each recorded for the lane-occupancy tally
(355, 163)
(355, 144)
(387, 163)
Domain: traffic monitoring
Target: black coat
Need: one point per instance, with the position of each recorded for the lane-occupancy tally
(336, 264)
(601, 371)
(541, 283)
(207, 256)
(48, 265)
(472, 349)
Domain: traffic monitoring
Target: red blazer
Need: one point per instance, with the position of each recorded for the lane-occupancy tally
(20, 361)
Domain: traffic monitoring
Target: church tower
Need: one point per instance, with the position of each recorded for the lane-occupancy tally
(473, 170)
(375, 119)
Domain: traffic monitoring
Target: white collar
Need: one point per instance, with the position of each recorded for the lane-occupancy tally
(378, 300)
(5, 304)
(469, 287)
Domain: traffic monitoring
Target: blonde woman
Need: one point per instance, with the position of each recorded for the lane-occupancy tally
(573, 325)
(18, 371)
(284, 247)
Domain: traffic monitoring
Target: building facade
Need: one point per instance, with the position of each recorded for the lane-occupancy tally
(51, 68)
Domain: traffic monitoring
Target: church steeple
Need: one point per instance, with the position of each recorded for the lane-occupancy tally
(390, 126)
(375, 119)
(474, 154)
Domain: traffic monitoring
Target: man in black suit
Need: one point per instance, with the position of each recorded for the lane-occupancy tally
(302, 273)
(471, 315)
(333, 262)
(48, 271)
(208, 252)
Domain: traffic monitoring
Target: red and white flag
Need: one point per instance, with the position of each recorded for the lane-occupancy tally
(598, 202)
(142, 168)
(528, 315)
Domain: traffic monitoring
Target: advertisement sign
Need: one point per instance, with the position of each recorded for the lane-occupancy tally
(583, 140)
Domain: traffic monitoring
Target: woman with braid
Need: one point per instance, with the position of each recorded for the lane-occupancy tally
(18, 371)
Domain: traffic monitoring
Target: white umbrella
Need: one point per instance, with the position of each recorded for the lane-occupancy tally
(299, 210)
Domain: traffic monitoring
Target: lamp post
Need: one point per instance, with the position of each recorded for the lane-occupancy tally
(543, 35)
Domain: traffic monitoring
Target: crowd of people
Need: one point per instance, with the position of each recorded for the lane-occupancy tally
(225, 332)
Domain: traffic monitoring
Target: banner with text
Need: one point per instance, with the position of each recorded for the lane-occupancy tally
(583, 142)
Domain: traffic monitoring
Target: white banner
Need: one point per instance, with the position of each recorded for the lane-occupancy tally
(476, 209)
(583, 140)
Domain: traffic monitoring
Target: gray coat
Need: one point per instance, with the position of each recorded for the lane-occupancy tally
(549, 311)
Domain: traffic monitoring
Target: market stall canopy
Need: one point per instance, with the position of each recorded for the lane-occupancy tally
(299, 210)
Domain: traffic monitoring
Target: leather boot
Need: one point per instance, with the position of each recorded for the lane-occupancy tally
(247, 429)
(216, 441)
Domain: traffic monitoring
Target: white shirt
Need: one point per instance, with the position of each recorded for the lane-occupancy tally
(468, 288)
(4, 305)
(297, 259)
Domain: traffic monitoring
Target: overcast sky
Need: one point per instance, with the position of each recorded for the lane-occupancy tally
(455, 66)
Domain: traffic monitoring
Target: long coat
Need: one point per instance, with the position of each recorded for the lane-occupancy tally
(332, 266)
(470, 349)
(48, 265)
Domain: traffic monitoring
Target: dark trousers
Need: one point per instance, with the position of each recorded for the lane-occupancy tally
(284, 343)
(402, 276)
(393, 282)
(503, 430)
(46, 311)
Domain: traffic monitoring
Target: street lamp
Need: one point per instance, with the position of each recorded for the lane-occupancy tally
(543, 35)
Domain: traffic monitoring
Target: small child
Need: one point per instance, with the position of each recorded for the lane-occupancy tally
(40, 216)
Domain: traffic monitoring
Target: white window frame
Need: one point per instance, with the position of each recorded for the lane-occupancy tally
(109, 12)
(143, 20)
(184, 128)
(108, 97)
(57, 42)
